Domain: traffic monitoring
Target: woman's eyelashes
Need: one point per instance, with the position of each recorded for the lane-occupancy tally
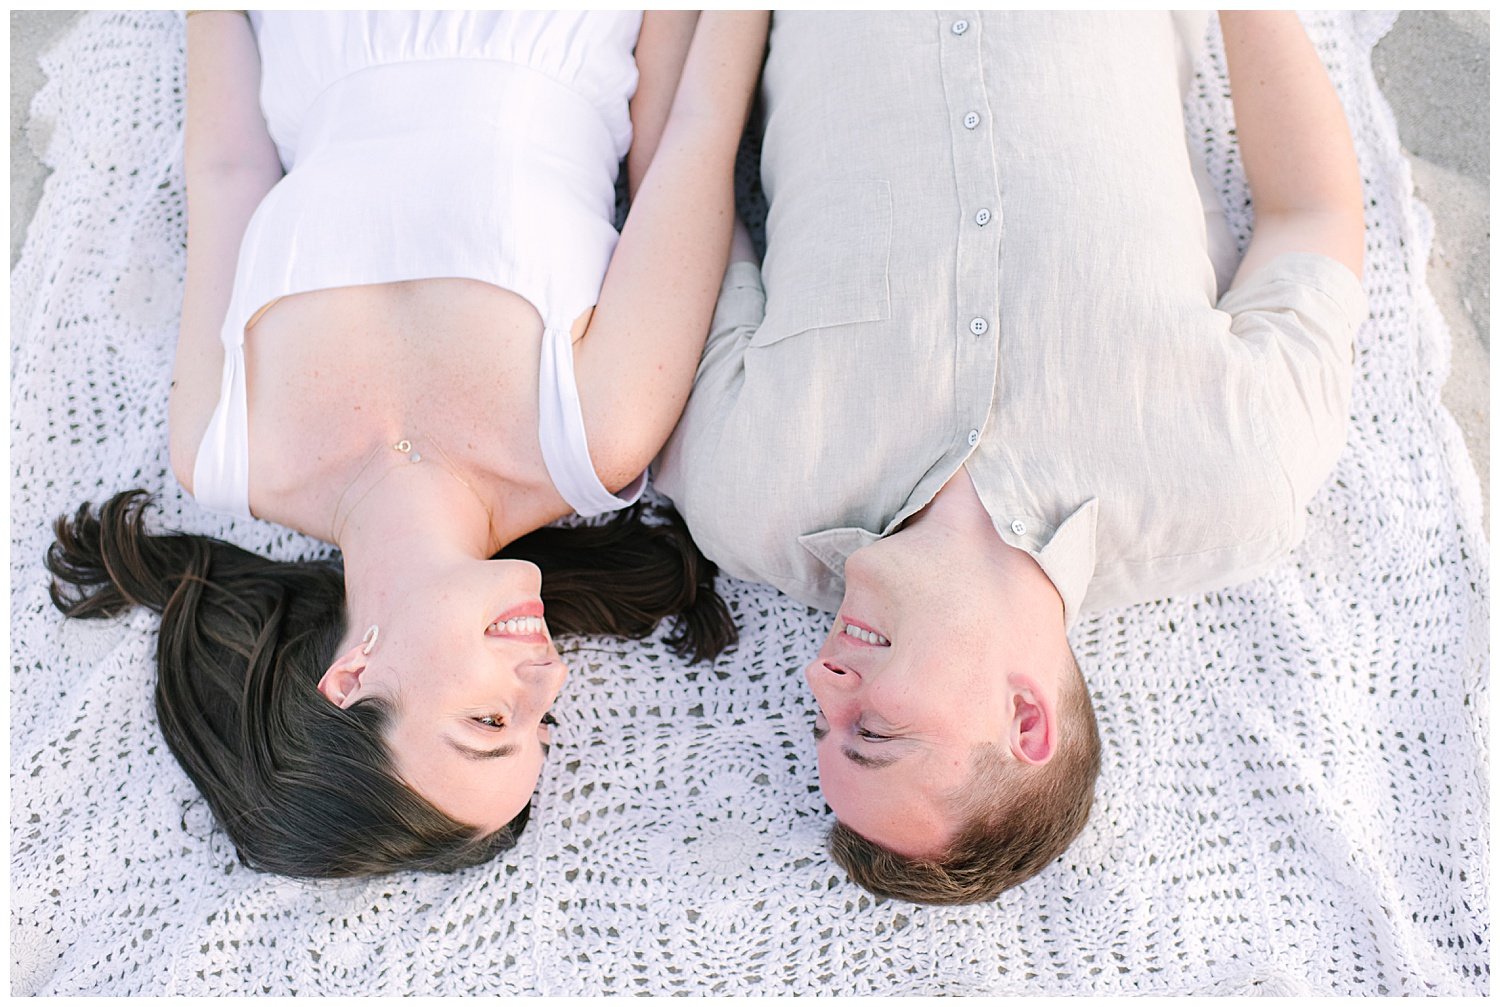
(495, 721)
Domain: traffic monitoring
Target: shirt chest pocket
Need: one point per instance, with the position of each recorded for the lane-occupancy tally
(827, 256)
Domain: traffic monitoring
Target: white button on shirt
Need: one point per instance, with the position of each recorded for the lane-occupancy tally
(979, 326)
(1156, 441)
(960, 26)
(1018, 527)
(982, 217)
(971, 120)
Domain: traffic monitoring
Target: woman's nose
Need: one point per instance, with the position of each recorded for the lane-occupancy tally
(546, 675)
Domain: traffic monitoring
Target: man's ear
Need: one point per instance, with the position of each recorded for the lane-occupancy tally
(1033, 724)
(341, 683)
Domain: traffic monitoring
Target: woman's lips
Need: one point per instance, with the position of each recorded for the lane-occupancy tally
(523, 623)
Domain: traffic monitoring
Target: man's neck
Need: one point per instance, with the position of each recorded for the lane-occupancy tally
(956, 518)
(957, 506)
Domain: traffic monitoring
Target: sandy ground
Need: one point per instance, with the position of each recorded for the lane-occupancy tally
(1434, 68)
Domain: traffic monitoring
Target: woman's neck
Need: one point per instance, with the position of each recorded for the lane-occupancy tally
(410, 518)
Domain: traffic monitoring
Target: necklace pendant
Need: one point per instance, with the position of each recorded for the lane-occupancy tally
(403, 445)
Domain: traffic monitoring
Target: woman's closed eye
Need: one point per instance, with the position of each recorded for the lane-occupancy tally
(869, 735)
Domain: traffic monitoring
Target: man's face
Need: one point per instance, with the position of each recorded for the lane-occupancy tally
(909, 681)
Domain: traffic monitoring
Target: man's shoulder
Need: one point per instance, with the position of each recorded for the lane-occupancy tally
(753, 528)
(1209, 538)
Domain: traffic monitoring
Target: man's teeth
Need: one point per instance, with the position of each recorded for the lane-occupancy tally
(866, 636)
(526, 625)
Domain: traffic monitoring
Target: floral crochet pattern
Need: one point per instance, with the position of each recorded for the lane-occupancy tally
(1294, 797)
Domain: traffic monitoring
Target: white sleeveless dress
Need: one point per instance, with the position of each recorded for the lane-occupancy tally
(480, 145)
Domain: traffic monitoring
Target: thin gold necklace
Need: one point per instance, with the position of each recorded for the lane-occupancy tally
(404, 446)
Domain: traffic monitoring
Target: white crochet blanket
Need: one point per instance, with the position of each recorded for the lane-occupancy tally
(1294, 796)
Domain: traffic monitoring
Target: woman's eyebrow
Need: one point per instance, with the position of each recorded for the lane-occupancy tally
(503, 752)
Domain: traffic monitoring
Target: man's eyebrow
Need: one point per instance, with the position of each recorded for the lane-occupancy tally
(867, 762)
(503, 752)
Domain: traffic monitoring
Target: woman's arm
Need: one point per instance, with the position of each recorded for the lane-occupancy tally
(636, 361)
(1294, 141)
(230, 163)
(659, 55)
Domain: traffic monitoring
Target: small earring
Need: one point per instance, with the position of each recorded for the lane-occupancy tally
(371, 635)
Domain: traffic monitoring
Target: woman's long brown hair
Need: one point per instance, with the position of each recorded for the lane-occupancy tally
(302, 787)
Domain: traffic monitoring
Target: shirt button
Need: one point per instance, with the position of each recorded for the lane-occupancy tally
(959, 27)
(982, 217)
(971, 120)
(1018, 526)
(973, 437)
(979, 326)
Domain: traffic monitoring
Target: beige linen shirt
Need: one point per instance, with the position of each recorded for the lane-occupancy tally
(986, 248)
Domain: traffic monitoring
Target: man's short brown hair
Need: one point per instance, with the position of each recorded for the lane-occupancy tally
(1018, 819)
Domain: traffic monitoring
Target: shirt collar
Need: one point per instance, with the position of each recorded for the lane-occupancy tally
(833, 546)
(1065, 553)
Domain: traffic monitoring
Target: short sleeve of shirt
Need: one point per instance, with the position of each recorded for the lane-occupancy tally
(737, 316)
(742, 302)
(1298, 315)
(687, 468)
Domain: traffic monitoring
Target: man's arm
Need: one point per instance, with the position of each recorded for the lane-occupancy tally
(230, 163)
(741, 248)
(635, 363)
(1294, 142)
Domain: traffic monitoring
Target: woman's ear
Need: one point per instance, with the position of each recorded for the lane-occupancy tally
(1033, 725)
(341, 683)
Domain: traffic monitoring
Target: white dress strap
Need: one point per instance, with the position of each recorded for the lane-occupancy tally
(565, 446)
(221, 472)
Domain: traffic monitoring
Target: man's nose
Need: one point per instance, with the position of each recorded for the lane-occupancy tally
(832, 675)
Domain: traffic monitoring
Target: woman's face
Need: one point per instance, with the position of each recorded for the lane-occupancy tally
(467, 664)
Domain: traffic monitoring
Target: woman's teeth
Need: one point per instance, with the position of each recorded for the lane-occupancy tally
(866, 636)
(526, 625)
